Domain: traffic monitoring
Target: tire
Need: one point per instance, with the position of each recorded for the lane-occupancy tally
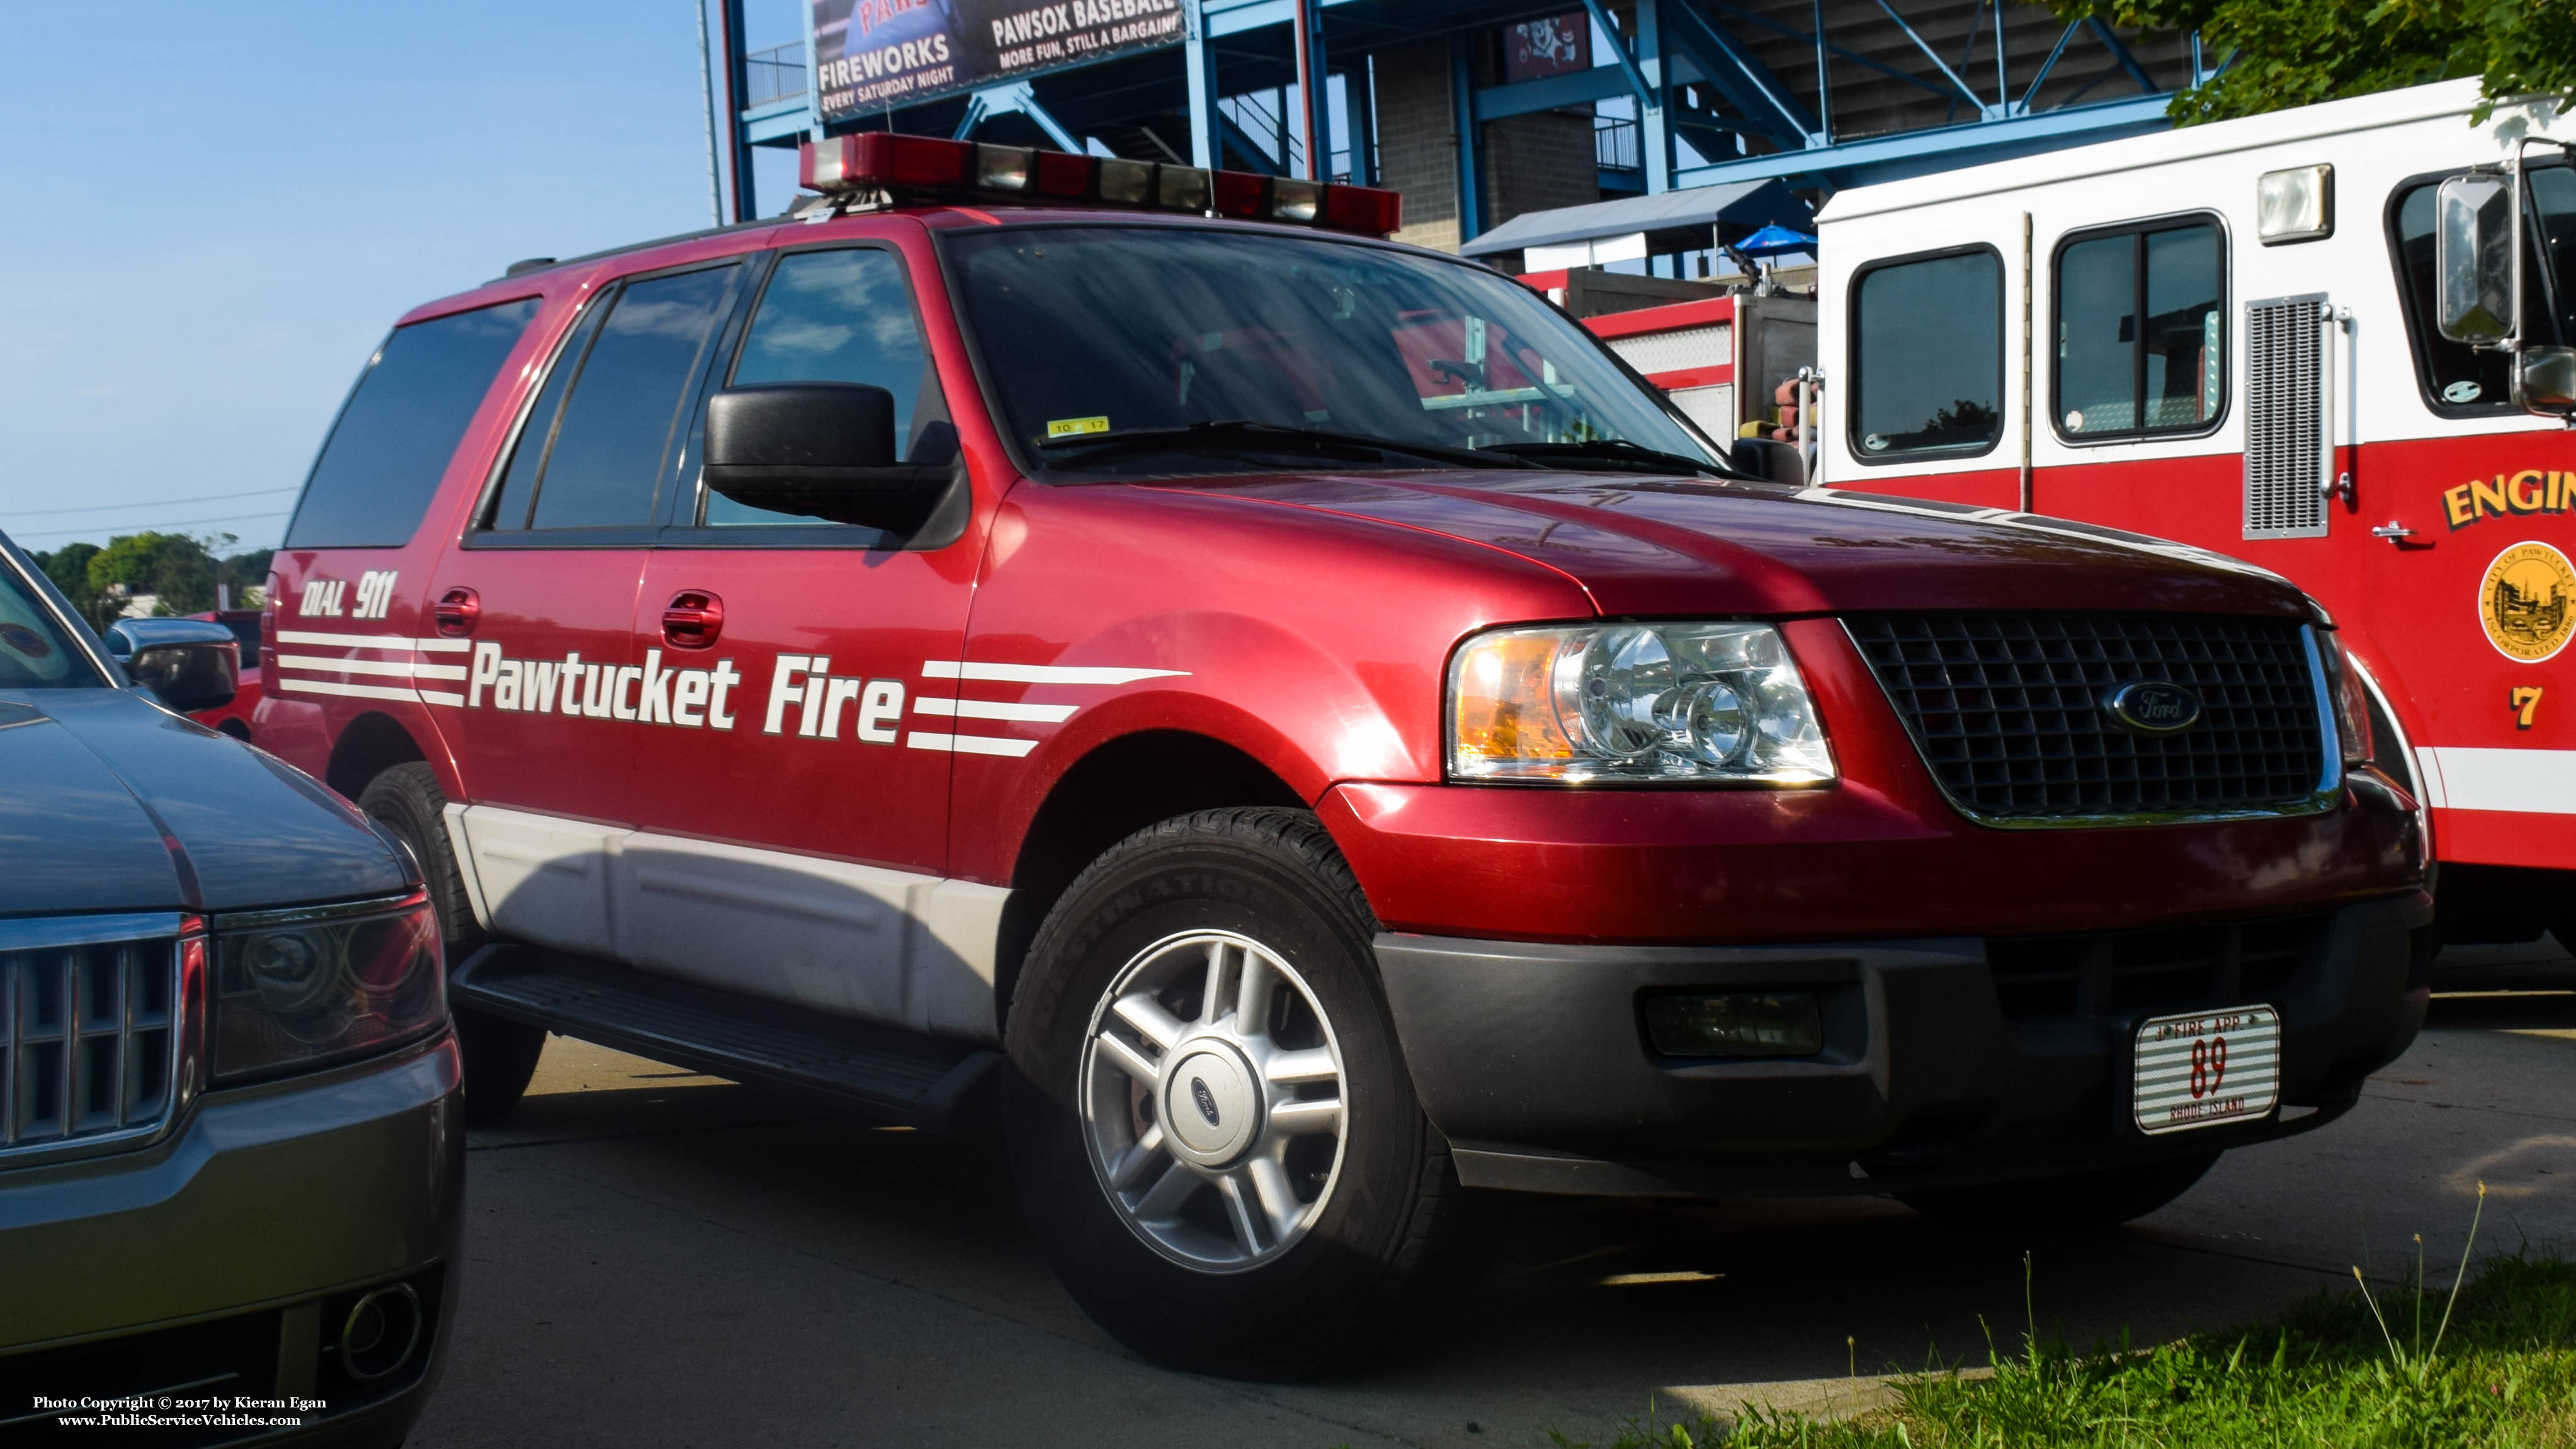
(1334, 1222)
(2048, 1205)
(499, 1055)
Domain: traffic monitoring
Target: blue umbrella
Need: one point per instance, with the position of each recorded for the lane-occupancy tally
(1774, 240)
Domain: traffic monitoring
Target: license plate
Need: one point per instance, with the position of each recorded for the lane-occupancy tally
(2203, 1068)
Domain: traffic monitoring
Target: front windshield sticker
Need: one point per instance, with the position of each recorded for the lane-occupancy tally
(1074, 427)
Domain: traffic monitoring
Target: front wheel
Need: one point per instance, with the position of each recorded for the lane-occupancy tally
(2066, 1204)
(1210, 1121)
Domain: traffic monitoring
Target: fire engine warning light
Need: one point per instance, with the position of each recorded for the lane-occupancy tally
(936, 167)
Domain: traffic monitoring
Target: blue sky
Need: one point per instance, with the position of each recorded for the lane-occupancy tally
(213, 212)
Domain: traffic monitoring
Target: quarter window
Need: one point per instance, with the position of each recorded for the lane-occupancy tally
(1928, 356)
(842, 316)
(598, 461)
(2141, 346)
(401, 425)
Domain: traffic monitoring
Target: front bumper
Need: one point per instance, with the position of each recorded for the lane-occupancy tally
(233, 1249)
(1533, 1060)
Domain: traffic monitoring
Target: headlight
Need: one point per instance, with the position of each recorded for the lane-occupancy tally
(303, 988)
(2352, 705)
(1642, 703)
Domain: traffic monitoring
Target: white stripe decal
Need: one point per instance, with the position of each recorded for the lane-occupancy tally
(374, 641)
(987, 709)
(1042, 673)
(2533, 782)
(354, 691)
(442, 696)
(969, 744)
(398, 668)
(2428, 769)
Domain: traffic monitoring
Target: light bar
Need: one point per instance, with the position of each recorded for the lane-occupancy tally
(932, 167)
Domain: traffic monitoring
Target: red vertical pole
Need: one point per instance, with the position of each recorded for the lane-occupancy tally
(1307, 80)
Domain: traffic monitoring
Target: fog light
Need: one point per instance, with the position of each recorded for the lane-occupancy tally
(1741, 1024)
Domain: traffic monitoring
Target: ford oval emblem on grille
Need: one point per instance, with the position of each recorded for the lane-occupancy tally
(1206, 1099)
(2153, 707)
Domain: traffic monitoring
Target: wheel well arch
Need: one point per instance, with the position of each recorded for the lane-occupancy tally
(1119, 788)
(372, 744)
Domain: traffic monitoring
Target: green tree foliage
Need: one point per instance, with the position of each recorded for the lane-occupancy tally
(2300, 52)
(179, 571)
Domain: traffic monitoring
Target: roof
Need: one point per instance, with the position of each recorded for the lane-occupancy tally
(2296, 123)
(1747, 203)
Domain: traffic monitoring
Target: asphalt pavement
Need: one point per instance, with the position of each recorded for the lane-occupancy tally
(655, 1258)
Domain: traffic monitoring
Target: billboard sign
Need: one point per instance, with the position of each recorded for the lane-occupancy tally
(872, 56)
(1537, 49)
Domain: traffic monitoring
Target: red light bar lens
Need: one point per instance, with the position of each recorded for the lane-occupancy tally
(1240, 193)
(880, 158)
(1368, 209)
(1061, 173)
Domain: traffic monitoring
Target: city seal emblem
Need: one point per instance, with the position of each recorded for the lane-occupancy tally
(2527, 602)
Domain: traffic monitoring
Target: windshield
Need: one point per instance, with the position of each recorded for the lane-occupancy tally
(1103, 331)
(35, 652)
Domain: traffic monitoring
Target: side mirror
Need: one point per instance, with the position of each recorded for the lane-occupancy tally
(824, 449)
(190, 663)
(1769, 458)
(2473, 246)
(2544, 380)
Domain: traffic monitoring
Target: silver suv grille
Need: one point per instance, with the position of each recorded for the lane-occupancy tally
(90, 1039)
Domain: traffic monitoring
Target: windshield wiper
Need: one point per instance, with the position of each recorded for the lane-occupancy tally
(1617, 452)
(1239, 435)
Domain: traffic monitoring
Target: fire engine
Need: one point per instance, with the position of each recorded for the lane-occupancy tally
(2309, 339)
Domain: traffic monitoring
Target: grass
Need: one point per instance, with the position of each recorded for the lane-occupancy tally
(2490, 1363)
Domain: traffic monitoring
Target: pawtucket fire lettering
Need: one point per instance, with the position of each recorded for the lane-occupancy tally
(648, 693)
(2529, 491)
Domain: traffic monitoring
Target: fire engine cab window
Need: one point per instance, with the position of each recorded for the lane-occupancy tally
(2456, 376)
(2140, 345)
(382, 464)
(597, 466)
(1928, 356)
(842, 316)
(1134, 334)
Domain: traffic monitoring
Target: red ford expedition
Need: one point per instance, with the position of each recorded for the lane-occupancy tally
(1293, 722)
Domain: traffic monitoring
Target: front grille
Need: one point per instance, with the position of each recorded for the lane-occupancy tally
(2008, 710)
(88, 1040)
(2174, 967)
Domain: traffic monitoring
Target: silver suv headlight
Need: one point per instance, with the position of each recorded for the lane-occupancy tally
(1682, 703)
(307, 987)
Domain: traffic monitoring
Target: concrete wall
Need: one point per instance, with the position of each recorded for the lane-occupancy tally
(1417, 141)
(1538, 162)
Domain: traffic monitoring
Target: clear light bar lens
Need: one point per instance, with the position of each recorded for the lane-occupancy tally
(1676, 703)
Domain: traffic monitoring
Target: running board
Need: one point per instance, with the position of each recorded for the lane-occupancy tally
(932, 1083)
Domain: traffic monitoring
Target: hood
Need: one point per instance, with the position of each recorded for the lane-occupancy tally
(1644, 545)
(110, 803)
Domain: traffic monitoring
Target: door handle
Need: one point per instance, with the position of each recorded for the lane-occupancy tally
(692, 620)
(456, 613)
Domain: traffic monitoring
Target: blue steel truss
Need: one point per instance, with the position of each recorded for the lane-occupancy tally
(1711, 102)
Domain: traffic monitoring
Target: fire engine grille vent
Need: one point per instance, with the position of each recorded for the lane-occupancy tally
(2286, 449)
(2008, 710)
(87, 1039)
(2171, 967)
(1711, 346)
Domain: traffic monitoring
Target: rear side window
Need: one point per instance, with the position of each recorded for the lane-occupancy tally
(597, 460)
(2140, 331)
(842, 316)
(1928, 356)
(392, 443)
